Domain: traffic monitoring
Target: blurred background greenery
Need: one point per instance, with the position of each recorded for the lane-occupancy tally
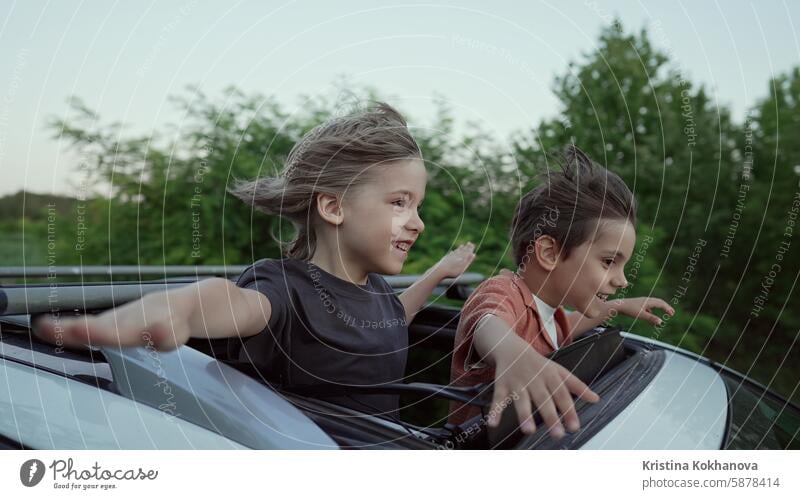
(717, 198)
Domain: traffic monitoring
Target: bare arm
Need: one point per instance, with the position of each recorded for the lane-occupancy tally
(417, 294)
(529, 379)
(212, 308)
(451, 265)
(579, 323)
(639, 308)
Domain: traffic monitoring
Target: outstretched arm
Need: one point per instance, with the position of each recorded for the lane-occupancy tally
(212, 308)
(639, 308)
(453, 264)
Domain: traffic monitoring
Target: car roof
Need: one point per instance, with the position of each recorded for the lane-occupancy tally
(45, 411)
(684, 406)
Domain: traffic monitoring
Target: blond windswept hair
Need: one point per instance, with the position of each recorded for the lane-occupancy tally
(333, 157)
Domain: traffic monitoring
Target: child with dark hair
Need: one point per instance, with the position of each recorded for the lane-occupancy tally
(571, 237)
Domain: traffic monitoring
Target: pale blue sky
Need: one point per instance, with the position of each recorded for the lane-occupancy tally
(493, 61)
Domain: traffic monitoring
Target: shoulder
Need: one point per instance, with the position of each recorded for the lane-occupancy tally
(269, 270)
(383, 289)
(500, 286)
(379, 283)
(502, 281)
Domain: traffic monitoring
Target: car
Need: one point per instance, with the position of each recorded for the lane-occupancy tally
(653, 395)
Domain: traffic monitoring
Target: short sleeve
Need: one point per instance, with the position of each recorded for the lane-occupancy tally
(268, 277)
(492, 298)
(473, 360)
(387, 293)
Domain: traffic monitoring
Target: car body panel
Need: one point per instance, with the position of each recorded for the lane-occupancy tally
(684, 407)
(42, 410)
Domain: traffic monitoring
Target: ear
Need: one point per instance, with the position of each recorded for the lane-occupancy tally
(546, 252)
(329, 208)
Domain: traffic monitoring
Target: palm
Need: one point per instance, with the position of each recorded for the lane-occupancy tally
(457, 261)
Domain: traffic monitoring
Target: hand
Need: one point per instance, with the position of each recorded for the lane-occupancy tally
(148, 321)
(529, 378)
(639, 308)
(457, 261)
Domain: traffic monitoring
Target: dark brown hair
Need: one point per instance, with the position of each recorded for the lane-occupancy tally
(568, 202)
(331, 158)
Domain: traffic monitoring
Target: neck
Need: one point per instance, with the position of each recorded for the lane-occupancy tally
(540, 284)
(337, 264)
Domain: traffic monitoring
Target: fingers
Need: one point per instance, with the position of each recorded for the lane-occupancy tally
(651, 318)
(579, 388)
(466, 248)
(67, 332)
(655, 303)
(72, 332)
(550, 399)
(458, 260)
(522, 406)
(659, 303)
(565, 405)
(642, 308)
(498, 404)
(543, 398)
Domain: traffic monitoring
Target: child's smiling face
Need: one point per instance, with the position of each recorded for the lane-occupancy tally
(596, 269)
(381, 218)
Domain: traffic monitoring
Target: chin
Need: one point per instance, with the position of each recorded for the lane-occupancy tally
(390, 268)
(592, 310)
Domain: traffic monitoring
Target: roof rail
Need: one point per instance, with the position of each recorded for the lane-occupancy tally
(86, 297)
(51, 272)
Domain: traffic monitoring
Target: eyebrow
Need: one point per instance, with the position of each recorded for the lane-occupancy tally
(407, 193)
(616, 254)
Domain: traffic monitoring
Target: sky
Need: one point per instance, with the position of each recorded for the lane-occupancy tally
(493, 62)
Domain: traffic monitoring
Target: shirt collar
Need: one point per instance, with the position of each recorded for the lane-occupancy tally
(519, 282)
(527, 295)
(560, 317)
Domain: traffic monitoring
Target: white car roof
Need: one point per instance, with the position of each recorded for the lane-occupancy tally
(685, 406)
(46, 411)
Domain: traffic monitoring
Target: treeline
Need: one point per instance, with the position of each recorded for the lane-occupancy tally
(718, 198)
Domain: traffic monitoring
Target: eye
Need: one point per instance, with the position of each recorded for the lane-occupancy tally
(607, 262)
(399, 202)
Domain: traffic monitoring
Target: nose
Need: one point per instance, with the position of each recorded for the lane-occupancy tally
(415, 223)
(619, 280)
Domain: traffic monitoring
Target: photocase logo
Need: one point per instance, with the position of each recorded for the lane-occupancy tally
(31, 472)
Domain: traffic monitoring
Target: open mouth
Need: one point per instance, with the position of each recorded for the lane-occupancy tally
(402, 246)
(602, 296)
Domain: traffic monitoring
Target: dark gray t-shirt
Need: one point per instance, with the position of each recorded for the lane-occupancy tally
(327, 330)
